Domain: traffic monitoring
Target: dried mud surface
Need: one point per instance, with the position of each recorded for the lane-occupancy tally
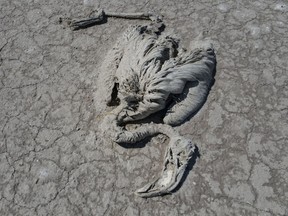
(53, 159)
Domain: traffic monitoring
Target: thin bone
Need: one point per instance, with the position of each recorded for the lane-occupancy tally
(145, 16)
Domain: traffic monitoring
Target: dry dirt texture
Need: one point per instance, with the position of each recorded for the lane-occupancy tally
(54, 161)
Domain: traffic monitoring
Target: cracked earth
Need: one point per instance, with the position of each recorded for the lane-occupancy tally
(53, 158)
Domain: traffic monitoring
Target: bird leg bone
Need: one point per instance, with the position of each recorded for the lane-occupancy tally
(99, 16)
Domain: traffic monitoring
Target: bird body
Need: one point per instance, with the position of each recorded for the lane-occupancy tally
(147, 72)
(152, 72)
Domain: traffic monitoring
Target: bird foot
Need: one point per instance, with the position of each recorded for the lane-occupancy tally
(97, 18)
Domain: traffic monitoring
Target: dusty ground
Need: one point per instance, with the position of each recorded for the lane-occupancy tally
(53, 160)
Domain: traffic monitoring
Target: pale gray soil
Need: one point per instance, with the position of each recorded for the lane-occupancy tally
(53, 159)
